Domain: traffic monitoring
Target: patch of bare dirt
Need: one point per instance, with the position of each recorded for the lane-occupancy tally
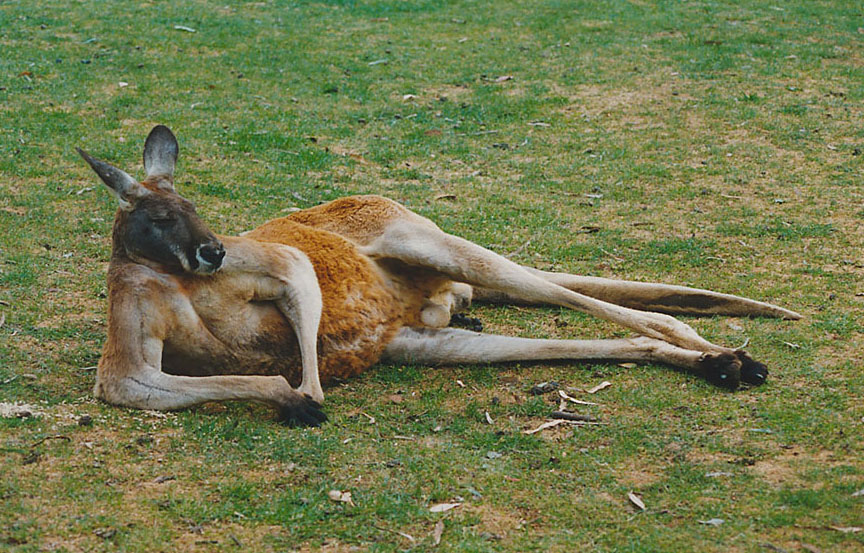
(496, 520)
(636, 475)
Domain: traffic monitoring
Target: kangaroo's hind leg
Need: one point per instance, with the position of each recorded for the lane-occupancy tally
(650, 296)
(437, 346)
(416, 241)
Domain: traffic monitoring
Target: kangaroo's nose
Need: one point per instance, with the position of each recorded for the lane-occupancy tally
(212, 254)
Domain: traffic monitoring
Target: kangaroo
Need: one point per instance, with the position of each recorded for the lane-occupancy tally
(325, 293)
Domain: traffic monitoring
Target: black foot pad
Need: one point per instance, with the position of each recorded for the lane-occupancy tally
(464, 321)
(752, 371)
(303, 411)
(722, 369)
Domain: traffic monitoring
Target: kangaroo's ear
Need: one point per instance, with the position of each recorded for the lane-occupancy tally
(124, 186)
(160, 156)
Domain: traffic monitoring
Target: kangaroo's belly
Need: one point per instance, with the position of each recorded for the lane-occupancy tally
(243, 338)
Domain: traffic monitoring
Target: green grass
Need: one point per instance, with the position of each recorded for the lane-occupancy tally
(714, 144)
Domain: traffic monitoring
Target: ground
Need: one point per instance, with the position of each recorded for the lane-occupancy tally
(713, 144)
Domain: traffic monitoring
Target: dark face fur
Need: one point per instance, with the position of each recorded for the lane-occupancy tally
(165, 229)
(158, 226)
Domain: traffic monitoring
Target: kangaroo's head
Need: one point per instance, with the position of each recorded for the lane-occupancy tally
(156, 226)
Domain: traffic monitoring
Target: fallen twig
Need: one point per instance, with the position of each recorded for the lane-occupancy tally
(559, 421)
(612, 255)
(55, 437)
(409, 537)
(564, 395)
(573, 416)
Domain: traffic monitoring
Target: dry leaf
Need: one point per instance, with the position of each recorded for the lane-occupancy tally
(627, 365)
(859, 493)
(460, 383)
(712, 522)
(438, 532)
(443, 507)
(340, 497)
(636, 500)
(564, 395)
(395, 398)
(445, 197)
(544, 426)
(597, 388)
(504, 78)
(406, 97)
(488, 418)
(847, 529)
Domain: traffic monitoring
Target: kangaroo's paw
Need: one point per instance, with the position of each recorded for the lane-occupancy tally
(721, 369)
(752, 371)
(301, 410)
(464, 321)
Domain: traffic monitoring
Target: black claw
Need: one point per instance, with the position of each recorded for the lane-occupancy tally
(722, 370)
(752, 371)
(464, 321)
(303, 411)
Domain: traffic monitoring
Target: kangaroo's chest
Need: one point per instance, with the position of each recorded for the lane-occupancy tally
(224, 332)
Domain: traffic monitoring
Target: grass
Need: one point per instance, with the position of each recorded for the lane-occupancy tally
(715, 144)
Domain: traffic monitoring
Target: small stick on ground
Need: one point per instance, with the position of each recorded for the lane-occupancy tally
(409, 537)
(46, 438)
(573, 416)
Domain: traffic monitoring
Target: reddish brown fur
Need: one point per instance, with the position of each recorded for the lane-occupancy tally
(361, 310)
(360, 219)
